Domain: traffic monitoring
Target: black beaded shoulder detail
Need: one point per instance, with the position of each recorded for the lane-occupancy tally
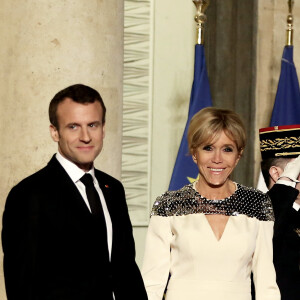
(245, 200)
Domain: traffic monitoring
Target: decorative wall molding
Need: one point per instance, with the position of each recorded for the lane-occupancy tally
(137, 104)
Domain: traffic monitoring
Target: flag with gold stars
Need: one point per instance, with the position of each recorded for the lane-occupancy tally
(185, 170)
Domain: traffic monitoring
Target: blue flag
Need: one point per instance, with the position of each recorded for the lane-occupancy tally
(185, 170)
(286, 110)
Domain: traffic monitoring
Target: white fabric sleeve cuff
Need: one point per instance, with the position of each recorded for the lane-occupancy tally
(286, 182)
(296, 206)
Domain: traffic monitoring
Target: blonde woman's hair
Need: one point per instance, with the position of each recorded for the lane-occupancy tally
(208, 124)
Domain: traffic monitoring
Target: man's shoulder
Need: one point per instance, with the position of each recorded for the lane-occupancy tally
(38, 178)
(281, 192)
(282, 197)
(33, 178)
(282, 189)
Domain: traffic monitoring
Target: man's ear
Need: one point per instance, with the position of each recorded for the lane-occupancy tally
(275, 172)
(54, 133)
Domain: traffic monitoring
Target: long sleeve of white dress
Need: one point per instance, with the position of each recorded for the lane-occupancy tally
(264, 275)
(157, 257)
(180, 242)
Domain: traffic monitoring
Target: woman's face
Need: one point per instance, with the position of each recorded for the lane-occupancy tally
(217, 160)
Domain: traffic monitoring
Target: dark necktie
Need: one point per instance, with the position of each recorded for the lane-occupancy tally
(92, 194)
(98, 229)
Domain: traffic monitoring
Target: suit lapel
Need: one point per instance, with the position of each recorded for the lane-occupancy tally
(66, 189)
(107, 193)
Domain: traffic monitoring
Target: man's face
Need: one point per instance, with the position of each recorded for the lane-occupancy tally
(81, 132)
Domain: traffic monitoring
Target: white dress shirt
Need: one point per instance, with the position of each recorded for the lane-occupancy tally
(75, 174)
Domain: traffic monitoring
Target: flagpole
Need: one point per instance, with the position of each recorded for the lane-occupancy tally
(200, 19)
(290, 19)
(185, 170)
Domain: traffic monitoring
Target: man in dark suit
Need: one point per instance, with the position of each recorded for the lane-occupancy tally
(66, 229)
(279, 147)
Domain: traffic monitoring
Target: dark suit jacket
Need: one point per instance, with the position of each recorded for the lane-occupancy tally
(52, 250)
(286, 242)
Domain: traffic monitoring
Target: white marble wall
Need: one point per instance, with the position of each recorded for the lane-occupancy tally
(46, 46)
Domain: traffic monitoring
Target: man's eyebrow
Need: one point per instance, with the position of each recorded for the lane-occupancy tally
(72, 123)
(95, 122)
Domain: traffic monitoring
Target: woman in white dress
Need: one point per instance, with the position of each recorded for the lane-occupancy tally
(205, 239)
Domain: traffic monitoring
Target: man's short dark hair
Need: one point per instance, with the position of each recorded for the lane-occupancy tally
(78, 93)
(267, 163)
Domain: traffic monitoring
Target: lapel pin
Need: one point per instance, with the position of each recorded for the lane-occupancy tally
(106, 186)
